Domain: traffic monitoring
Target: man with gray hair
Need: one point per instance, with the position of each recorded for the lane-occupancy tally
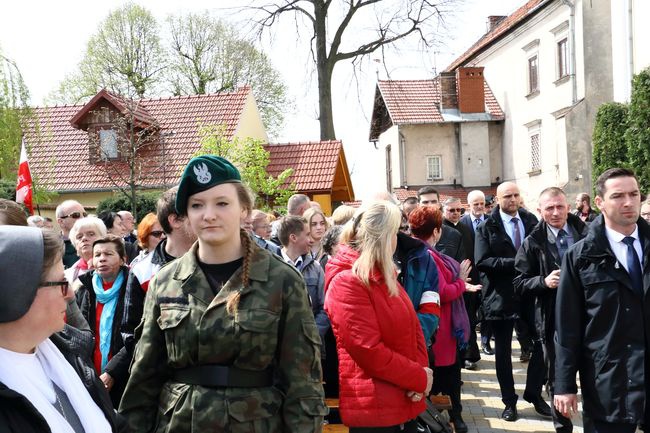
(472, 219)
(298, 204)
(67, 213)
(128, 222)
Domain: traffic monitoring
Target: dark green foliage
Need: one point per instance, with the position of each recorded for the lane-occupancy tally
(145, 203)
(637, 135)
(610, 149)
(8, 189)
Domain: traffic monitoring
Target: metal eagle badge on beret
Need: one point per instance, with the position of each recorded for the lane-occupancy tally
(202, 173)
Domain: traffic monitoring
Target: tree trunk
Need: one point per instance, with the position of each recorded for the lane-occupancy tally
(324, 71)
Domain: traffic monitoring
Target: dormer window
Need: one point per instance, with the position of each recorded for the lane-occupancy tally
(108, 144)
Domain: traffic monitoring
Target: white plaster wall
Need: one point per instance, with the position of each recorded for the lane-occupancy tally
(496, 151)
(641, 34)
(426, 140)
(475, 153)
(390, 137)
(506, 66)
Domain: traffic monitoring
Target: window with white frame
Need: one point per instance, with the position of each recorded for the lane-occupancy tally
(434, 167)
(535, 145)
(532, 67)
(562, 58)
(108, 144)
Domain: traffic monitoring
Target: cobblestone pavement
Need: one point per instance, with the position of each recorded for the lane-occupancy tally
(482, 404)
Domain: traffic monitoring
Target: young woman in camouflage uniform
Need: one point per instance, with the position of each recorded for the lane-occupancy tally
(228, 340)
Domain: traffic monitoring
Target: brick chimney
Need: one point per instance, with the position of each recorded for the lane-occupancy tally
(448, 94)
(494, 20)
(471, 92)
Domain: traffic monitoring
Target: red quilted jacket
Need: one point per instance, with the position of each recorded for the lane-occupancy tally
(380, 346)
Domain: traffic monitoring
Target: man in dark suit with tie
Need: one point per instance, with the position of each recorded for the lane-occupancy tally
(451, 241)
(471, 220)
(538, 267)
(602, 314)
(497, 242)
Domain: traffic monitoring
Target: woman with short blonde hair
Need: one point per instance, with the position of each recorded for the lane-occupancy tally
(383, 363)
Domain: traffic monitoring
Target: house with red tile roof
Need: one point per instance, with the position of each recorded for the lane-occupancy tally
(550, 65)
(320, 170)
(445, 132)
(72, 148)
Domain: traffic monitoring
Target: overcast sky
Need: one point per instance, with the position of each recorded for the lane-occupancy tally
(47, 40)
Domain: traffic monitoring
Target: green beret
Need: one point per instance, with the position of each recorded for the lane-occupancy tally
(201, 173)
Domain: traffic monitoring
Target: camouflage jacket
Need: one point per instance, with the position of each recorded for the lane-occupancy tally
(185, 325)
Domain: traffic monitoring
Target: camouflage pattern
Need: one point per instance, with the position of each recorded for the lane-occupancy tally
(185, 325)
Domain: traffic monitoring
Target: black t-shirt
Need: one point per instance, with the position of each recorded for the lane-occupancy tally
(218, 275)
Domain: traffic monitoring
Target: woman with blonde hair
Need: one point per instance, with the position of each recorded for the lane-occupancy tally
(383, 364)
(228, 341)
(317, 225)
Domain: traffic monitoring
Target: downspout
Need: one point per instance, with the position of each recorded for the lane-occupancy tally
(572, 45)
(402, 160)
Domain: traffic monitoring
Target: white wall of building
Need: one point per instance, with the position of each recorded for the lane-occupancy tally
(391, 138)
(506, 69)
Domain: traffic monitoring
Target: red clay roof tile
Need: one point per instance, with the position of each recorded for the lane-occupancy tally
(59, 153)
(501, 29)
(314, 163)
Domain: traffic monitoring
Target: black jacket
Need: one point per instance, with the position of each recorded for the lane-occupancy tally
(18, 415)
(590, 216)
(495, 260)
(603, 328)
(118, 366)
(536, 259)
(467, 237)
(451, 244)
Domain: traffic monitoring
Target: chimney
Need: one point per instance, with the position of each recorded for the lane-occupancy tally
(471, 91)
(494, 20)
(448, 94)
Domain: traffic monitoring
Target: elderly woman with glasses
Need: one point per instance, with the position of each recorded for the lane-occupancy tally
(84, 232)
(45, 383)
(101, 301)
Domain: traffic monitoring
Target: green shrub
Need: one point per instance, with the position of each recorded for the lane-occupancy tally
(145, 203)
(610, 148)
(637, 135)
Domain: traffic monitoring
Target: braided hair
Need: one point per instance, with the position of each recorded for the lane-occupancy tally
(246, 202)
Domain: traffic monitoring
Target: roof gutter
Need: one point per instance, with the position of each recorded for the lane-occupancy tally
(572, 45)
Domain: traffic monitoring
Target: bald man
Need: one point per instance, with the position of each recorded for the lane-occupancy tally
(497, 241)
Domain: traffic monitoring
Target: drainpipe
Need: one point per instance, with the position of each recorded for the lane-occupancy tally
(572, 45)
(402, 160)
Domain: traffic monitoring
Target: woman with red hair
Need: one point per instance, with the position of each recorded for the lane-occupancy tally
(453, 331)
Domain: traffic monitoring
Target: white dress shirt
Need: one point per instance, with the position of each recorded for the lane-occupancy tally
(620, 249)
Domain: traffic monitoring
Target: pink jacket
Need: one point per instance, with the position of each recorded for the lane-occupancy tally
(380, 346)
(444, 348)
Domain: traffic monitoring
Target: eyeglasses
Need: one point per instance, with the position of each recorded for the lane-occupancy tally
(157, 233)
(63, 284)
(74, 215)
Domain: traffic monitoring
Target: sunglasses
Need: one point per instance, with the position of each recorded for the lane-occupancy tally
(63, 284)
(74, 215)
(157, 233)
(455, 210)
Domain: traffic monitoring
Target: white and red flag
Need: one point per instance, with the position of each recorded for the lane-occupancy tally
(24, 181)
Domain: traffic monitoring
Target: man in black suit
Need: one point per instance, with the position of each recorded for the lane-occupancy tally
(451, 241)
(497, 240)
(538, 267)
(472, 219)
(452, 211)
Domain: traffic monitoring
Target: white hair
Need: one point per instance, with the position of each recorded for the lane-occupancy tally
(477, 193)
(86, 222)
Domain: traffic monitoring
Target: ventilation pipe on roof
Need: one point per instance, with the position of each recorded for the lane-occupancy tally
(572, 45)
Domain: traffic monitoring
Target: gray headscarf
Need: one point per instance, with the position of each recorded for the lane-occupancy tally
(21, 265)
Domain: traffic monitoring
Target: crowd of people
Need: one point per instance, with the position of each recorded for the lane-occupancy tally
(211, 315)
